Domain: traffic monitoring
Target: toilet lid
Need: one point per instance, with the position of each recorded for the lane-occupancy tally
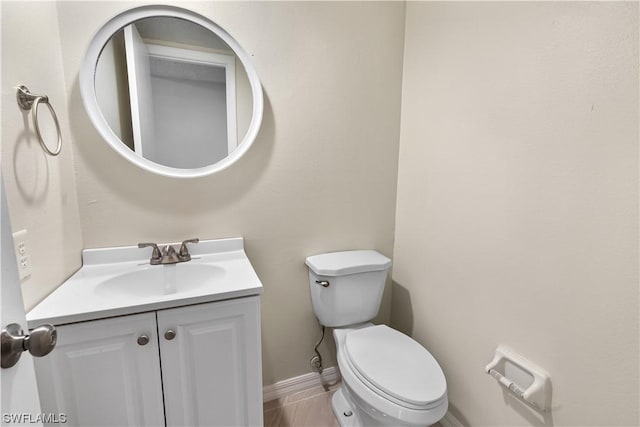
(396, 365)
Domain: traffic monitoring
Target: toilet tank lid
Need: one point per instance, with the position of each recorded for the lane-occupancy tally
(348, 262)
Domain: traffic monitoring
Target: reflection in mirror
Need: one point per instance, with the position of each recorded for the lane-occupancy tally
(173, 92)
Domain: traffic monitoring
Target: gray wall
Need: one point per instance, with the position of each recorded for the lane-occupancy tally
(40, 189)
(517, 218)
(320, 177)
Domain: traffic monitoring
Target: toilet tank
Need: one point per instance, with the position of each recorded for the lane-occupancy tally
(346, 287)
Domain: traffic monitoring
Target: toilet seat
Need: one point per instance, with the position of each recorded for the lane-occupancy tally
(395, 367)
(371, 401)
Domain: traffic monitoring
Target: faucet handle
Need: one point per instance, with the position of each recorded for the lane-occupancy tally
(184, 252)
(156, 255)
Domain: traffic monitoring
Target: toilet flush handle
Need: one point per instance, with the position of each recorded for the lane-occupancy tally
(323, 283)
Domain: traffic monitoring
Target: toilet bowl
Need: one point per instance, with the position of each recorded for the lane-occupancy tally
(388, 379)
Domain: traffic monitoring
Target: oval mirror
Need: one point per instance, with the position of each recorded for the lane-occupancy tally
(171, 91)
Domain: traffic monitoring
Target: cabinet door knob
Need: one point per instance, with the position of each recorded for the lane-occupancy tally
(143, 340)
(170, 334)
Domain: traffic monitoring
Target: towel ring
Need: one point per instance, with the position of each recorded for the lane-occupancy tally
(30, 101)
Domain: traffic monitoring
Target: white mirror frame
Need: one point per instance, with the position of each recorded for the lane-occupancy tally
(88, 89)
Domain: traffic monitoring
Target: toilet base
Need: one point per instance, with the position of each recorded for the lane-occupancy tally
(341, 408)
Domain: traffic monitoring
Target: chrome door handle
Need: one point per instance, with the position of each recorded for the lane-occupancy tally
(170, 334)
(143, 340)
(39, 343)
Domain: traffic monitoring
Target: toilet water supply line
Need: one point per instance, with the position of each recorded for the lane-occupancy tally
(316, 361)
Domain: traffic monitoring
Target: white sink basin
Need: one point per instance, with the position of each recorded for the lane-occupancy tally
(162, 280)
(120, 281)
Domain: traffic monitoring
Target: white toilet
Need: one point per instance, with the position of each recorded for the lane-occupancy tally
(388, 379)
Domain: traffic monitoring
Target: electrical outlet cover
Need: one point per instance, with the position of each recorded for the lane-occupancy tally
(22, 254)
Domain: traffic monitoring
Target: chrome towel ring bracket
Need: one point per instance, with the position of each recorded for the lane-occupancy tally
(30, 101)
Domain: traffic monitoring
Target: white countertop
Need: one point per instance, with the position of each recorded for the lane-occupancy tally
(89, 293)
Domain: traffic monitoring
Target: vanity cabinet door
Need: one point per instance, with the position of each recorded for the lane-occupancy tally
(211, 368)
(103, 373)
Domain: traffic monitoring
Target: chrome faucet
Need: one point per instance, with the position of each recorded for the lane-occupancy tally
(168, 254)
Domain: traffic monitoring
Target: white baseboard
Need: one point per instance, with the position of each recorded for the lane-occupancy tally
(295, 384)
(450, 421)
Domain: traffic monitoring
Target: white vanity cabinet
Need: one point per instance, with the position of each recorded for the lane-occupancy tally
(212, 369)
(191, 365)
(99, 375)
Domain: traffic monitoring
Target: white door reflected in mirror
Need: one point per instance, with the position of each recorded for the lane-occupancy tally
(171, 91)
(163, 73)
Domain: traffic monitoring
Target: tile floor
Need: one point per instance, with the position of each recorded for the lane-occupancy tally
(307, 408)
(310, 407)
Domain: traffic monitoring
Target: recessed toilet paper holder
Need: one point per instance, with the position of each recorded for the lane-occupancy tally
(521, 377)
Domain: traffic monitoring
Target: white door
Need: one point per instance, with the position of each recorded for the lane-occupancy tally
(140, 92)
(211, 363)
(19, 389)
(104, 372)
